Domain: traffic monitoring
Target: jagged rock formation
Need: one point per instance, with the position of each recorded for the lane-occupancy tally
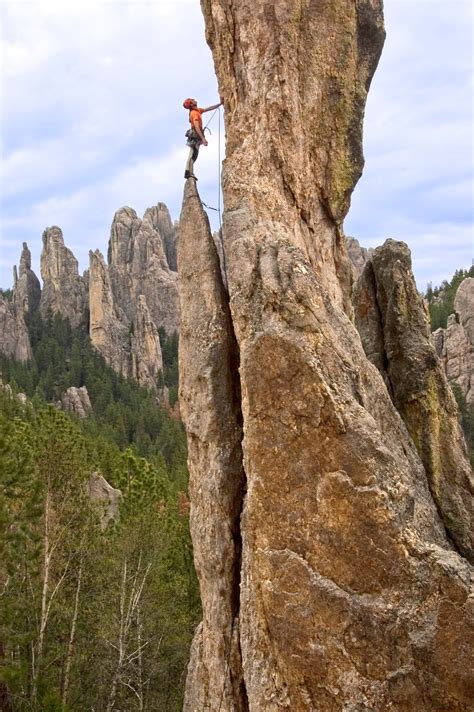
(348, 594)
(105, 498)
(77, 401)
(161, 221)
(455, 344)
(210, 407)
(125, 304)
(138, 265)
(26, 293)
(26, 285)
(64, 290)
(147, 361)
(394, 327)
(107, 328)
(358, 255)
(131, 348)
(14, 339)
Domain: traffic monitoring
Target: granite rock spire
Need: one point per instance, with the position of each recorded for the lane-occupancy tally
(351, 595)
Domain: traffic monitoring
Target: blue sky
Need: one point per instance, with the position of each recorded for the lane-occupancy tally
(91, 120)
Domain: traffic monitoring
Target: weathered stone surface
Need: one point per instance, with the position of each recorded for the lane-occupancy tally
(464, 306)
(14, 339)
(64, 290)
(138, 265)
(105, 498)
(129, 300)
(394, 327)
(161, 221)
(77, 401)
(351, 595)
(130, 347)
(26, 288)
(147, 361)
(358, 255)
(107, 329)
(210, 408)
(455, 344)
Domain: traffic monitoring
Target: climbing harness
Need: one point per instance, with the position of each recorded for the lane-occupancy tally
(192, 140)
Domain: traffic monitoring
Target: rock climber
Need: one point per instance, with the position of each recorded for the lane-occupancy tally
(195, 135)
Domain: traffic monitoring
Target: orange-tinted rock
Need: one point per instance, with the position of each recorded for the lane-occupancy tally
(348, 583)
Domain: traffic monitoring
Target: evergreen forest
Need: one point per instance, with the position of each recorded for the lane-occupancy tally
(92, 617)
(441, 305)
(441, 299)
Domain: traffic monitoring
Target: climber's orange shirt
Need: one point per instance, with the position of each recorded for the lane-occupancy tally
(196, 115)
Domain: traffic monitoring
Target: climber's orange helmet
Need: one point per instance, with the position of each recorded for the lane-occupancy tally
(189, 103)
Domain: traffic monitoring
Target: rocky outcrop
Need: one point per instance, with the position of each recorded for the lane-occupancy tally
(14, 339)
(107, 329)
(105, 498)
(129, 300)
(394, 327)
(130, 347)
(64, 290)
(138, 265)
(135, 294)
(210, 407)
(147, 361)
(350, 595)
(358, 255)
(25, 297)
(76, 400)
(26, 285)
(455, 344)
(161, 221)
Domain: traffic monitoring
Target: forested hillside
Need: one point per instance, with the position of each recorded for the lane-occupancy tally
(441, 306)
(441, 299)
(91, 618)
(123, 412)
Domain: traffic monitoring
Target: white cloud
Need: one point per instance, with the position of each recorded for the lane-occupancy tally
(91, 120)
(417, 182)
(91, 114)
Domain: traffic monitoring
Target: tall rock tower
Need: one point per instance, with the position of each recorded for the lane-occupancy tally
(329, 579)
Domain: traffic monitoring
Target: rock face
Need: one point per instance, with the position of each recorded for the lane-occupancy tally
(145, 346)
(135, 294)
(64, 290)
(124, 303)
(26, 285)
(105, 498)
(358, 255)
(349, 594)
(210, 407)
(394, 327)
(14, 339)
(168, 231)
(25, 298)
(77, 401)
(131, 348)
(138, 265)
(455, 344)
(107, 329)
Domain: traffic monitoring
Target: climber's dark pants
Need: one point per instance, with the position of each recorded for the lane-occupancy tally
(193, 154)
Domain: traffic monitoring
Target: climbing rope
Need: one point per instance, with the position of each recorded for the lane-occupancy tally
(219, 188)
(213, 114)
